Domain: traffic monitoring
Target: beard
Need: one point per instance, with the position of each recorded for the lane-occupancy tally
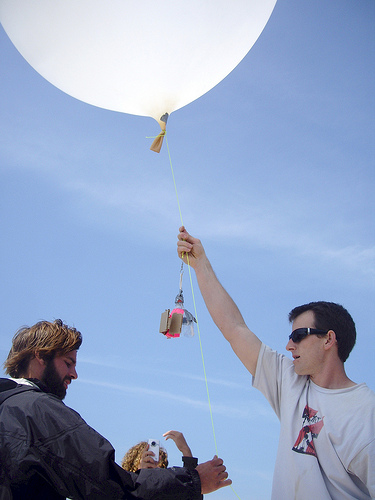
(53, 380)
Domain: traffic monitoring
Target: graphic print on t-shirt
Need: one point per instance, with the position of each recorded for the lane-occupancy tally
(312, 425)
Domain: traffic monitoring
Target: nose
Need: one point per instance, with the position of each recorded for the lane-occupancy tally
(290, 345)
(73, 373)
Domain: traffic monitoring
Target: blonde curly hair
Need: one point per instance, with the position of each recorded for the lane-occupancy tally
(133, 456)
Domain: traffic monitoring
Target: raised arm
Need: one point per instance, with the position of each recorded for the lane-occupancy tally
(220, 305)
(180, 441)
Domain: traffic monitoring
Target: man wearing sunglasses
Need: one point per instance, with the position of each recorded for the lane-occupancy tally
(327, 422)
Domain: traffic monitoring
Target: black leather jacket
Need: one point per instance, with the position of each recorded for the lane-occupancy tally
(47, 451)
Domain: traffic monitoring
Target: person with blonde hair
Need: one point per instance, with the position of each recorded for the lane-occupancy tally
(140, 457)
(47, 451)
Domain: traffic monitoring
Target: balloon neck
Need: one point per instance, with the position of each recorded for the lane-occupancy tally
(158, 141)
(163, 120)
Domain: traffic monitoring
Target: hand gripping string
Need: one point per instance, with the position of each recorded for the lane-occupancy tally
(195, 310)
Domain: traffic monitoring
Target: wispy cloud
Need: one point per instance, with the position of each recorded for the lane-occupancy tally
(280, 231)
(141, 200)
(253, 409)
(119, 365)
(254, 223)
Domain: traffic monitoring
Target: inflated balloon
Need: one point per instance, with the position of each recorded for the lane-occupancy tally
(140, 57)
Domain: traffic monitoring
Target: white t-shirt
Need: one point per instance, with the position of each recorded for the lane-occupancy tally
(327, 436)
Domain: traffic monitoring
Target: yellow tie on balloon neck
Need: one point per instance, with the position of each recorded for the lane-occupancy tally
(158, 141)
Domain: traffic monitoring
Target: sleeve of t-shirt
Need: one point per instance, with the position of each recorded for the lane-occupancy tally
(274, 371)
(363, 466)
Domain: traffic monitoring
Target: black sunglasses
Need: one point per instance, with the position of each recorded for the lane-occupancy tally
(300, 333)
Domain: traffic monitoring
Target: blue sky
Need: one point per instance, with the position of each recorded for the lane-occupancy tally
(274, 170)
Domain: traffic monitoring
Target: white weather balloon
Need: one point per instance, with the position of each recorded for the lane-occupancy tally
(141, 57)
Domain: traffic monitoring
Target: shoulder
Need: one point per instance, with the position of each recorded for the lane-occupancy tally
(34, 408)
(11, 392)
(271, 362)
(364, 398)
(349, 408)
(359, 395)
(275, 371)
(366, 389)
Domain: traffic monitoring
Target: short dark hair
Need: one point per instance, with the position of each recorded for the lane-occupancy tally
(331, 316)
(48, 339)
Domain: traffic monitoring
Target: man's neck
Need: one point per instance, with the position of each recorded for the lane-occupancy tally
(333, 378)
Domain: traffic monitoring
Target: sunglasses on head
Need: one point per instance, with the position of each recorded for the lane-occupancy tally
(300, 333)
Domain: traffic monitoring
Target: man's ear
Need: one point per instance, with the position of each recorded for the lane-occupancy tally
(330, 340)
(39, 359)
